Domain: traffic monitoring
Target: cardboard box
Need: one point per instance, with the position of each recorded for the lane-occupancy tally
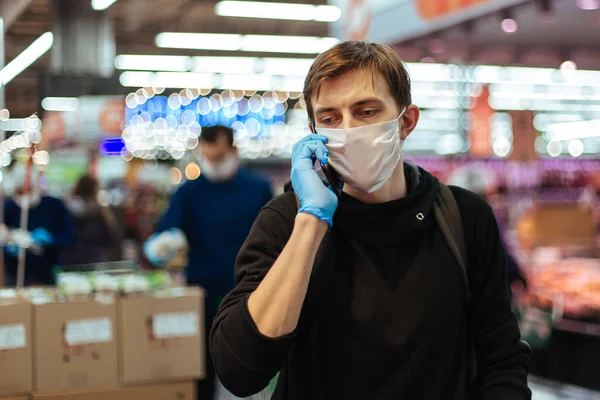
(75, 345)
(16, 398)
(162, 336)
(173, 391)
(16, 359)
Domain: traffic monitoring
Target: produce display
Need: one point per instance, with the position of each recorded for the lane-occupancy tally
(102, 283)
(570, 286)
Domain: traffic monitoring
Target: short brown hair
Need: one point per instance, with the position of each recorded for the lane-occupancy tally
(211, 134)
(356, 54)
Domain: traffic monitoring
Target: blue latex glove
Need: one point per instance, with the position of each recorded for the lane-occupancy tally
(42, 237)
(12, 251)
(315, 198)
(154, 258)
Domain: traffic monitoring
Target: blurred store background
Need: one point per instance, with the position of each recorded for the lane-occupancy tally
(120, 90)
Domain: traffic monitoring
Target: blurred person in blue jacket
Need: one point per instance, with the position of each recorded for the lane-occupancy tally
(214, 213)
(50, 226)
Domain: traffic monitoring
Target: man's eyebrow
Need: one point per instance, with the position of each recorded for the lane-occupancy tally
(367, 101)
(321, 110)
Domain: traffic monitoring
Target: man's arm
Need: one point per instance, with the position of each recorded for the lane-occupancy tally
(501, 356)
(254, 327)
(174, 216)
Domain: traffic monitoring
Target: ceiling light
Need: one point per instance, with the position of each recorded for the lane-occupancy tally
(554, 149)
(233, 65)
(249, 65)
(12, 124)
(153, 62)
(201, 41)
(568, 66)
(166, 79)
(257, 43)
(588, 4)
(100, 5)
(289, 11)
(576, 147)
(37, 49)
(288, 44)
(181, 80)
(509, 25)
(573, 130)
(63, 104)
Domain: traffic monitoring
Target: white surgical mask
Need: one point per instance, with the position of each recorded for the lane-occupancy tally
(221, 171)
(365, 156)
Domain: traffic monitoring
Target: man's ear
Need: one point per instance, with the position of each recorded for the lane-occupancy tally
(409, 121)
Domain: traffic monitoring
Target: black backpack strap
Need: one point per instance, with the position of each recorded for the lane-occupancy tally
(449, 220)
(447, 215)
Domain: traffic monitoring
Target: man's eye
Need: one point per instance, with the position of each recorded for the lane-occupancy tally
(326, 121)
(368, 113)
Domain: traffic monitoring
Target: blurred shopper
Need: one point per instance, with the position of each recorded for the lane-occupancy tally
(382, 310)
(50, 226)
(97, 232)
(215, 213)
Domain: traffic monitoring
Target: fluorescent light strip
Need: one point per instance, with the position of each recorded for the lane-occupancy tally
(430, 72)
(30, 55)
(286, 11)
(257, 43)
(153, 62)
(250, 65)
(544, 96)
(63, 104)
(15, 124)
(100, 5)
(181, 80)
(573, 130)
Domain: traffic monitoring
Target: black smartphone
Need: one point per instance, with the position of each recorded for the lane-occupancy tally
(333, 179)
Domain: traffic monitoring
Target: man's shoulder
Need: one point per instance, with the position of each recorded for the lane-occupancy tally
(285, 205)
(52, 201)
(470, 203)
(250, 177)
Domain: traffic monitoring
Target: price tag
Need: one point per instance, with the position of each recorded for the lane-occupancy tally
(172, 325)
(85, 331)
(12, 336)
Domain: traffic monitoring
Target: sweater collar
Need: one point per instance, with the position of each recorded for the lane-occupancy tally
(393, 221)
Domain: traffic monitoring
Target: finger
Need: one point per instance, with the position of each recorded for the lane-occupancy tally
(313, 137)
(306, 139)
(315, 148)
(322, 153)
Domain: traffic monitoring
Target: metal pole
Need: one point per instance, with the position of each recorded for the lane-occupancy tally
(26, 196)
(2, 137)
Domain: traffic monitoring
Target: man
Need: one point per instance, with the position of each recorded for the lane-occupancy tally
(387, 318)
(50, 226)
(215, 212)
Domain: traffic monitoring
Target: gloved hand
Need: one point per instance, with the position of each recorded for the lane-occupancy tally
(315, 198)
(12, 251)
(160, 247)
(42, 237)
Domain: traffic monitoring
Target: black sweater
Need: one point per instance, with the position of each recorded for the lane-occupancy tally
(386, 319)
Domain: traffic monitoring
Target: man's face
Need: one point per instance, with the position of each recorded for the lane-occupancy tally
(359, 98)
(217, 151)
(354, 99)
